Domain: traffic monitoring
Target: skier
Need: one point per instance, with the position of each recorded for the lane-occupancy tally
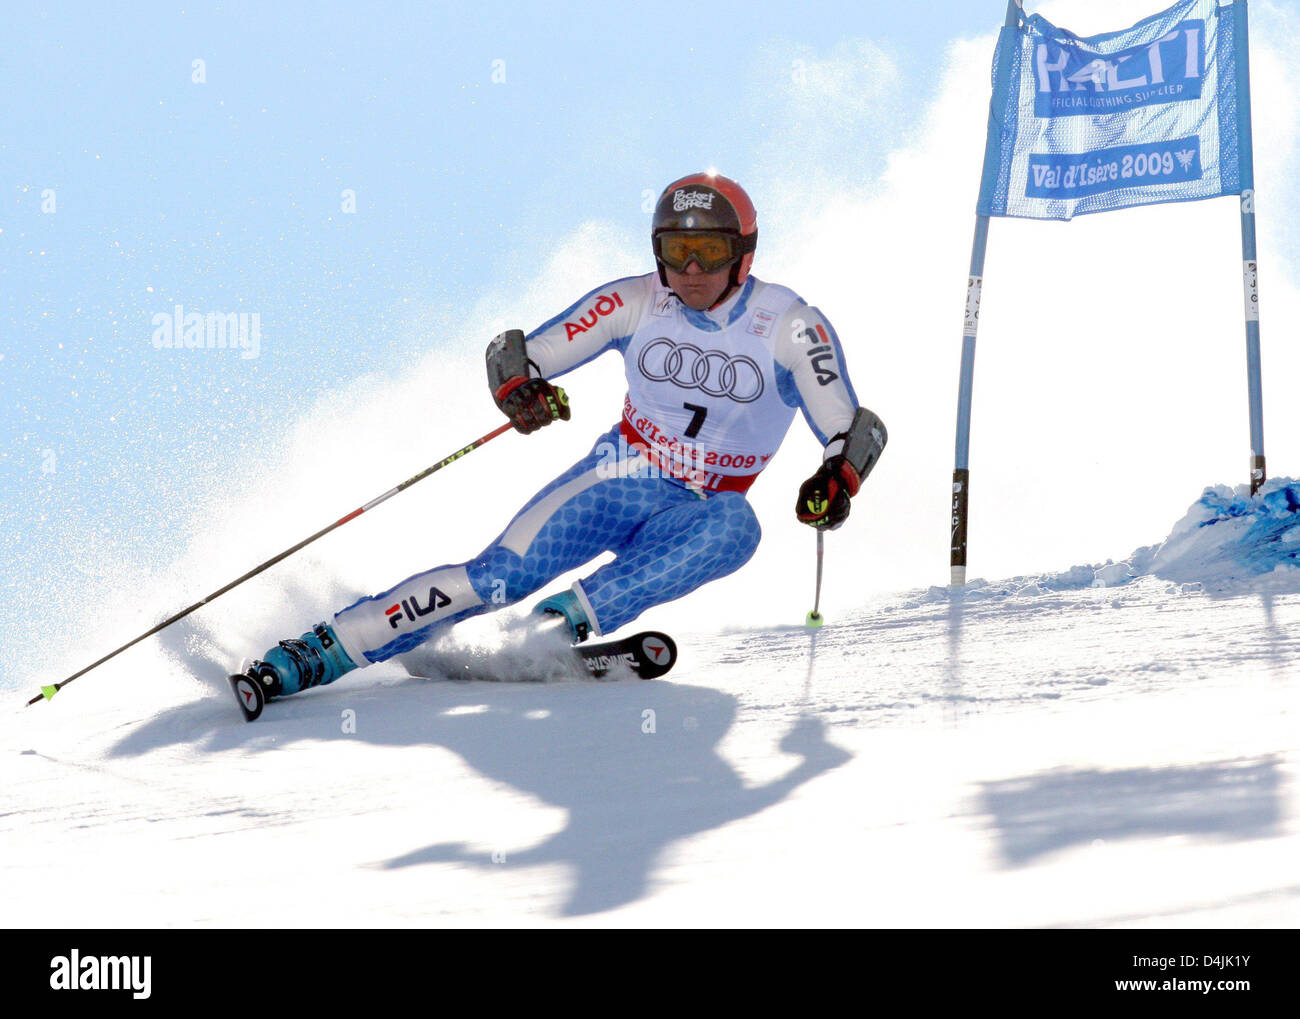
(717, 363)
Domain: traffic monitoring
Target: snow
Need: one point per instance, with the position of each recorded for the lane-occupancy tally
(1109, 743)
(1113, 745)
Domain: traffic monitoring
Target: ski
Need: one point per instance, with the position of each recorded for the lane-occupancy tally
(248, 695)
(648, 655)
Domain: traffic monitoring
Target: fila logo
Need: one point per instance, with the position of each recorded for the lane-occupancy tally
(820, 353)
(413, 610)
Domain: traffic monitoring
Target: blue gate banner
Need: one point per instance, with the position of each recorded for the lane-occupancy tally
(1149, 114)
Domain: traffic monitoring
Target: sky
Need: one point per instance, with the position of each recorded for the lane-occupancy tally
(386, 188)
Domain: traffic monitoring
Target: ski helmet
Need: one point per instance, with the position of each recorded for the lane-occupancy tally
(707, 203)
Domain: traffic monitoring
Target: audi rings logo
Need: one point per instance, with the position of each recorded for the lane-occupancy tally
(713, 372)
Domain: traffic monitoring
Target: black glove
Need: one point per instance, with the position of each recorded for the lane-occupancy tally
(824, 498)
(531, 404)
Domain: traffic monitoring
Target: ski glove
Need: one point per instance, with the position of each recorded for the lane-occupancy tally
(531, 404)
(824, 498)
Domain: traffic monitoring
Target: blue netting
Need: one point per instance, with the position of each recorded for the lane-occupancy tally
(1145, 115)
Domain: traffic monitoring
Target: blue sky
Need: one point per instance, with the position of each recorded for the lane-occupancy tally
(226, 196)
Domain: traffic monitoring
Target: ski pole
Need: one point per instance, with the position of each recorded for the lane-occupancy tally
(49, 691)
(814, 617)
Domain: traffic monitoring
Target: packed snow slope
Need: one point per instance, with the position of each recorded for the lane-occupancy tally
(1114, 745)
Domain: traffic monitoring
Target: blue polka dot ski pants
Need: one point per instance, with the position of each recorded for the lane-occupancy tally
(667, 539)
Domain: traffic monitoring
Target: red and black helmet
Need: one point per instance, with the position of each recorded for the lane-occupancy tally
(707, 203)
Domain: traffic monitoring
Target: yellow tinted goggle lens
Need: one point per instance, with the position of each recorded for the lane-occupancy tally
(712, 251)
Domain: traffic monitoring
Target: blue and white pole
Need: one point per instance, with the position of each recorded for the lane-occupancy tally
(965, 390)
(1250, 264)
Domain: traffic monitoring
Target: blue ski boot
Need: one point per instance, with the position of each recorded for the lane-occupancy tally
(314, 659)
(566, 605)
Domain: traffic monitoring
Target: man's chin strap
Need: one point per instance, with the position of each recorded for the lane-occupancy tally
(732, 287)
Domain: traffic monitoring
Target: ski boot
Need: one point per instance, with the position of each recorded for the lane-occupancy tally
(566, 605)
(314, 659)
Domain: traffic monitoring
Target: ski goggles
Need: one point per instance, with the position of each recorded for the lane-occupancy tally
(711, 251)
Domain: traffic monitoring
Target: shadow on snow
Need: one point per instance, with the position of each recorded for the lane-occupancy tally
(634, 764)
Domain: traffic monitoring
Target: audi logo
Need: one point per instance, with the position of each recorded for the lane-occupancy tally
(713, 372)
